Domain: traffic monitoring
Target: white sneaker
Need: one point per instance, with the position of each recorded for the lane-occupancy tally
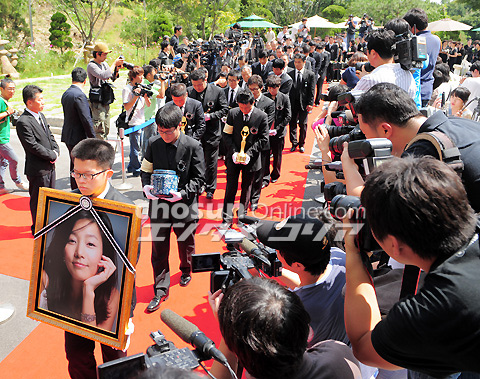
(22, 185)
(4, 191)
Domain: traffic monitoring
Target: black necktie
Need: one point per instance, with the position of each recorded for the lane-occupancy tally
(245, 118)
(299, 78)
(231, 97)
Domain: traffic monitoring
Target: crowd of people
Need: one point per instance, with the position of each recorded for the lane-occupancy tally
(235, 99)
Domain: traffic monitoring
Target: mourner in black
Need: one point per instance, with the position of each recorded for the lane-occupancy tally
(172, 150)
(193, 120)
(301, 99)
(245, 135)
(283, 114)
(263, 67)
(286, 82)
(255, 84)
(215, 107)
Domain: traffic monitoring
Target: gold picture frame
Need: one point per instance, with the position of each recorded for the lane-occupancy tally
(72, 250)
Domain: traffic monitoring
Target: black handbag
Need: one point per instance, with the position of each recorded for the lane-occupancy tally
(95, 94)
(122, 122)
(107, 95)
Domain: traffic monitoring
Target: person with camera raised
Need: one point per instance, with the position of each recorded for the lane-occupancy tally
(265, 329)
(381, 56)
(351, 27)
(134, 101)
(386, 111)
(98, 73)
(420, 215)
(215, 107)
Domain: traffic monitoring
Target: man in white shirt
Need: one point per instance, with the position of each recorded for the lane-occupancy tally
(380, 56)
(473, 84)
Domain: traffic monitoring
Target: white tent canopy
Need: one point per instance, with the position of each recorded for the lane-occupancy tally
(314, 22)
(447, 24)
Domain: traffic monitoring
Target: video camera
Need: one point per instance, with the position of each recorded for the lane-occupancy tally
(244, 253)
(144, 89)
(410, 51)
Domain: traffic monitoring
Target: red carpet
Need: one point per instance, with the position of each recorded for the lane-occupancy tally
(41, 354)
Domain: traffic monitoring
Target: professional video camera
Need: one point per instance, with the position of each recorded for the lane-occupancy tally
(128, 66)
(244, 253)
(164, 353)
(144, 89)
(410, 51)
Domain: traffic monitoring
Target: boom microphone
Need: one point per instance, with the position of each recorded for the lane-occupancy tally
(190, 333)
(252, 249)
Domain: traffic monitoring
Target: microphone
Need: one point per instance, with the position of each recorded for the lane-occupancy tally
(252, 249)
(190, 333)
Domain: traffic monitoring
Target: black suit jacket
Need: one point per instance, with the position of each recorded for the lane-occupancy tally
(267, 105)
(283, 113)
(318, 61)
(77, 117)
(303, 94)
(286, 83)
(257, 70)
(39, 145)
(256, 139)
(226, 91)
(190, 168)
(215, 104)
(195, 118)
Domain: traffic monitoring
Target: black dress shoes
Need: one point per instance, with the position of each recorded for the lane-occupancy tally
(294, 147)
(302, 149)
(185, 279)
(156, 302)
(209, 195)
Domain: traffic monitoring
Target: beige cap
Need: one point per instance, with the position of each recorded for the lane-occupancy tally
(102, 48)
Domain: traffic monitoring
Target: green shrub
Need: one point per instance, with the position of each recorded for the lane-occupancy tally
(60, 32)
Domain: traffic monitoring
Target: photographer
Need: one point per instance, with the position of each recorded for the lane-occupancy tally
(234, 32)
(381, 56)
(134, 102)
(188, 60)
(98, 73)
(387, 111)
(364, 22)
(350, 24)
(312, 268)
(163, 55)
(419, 213)
(157, 93)
(265, 328)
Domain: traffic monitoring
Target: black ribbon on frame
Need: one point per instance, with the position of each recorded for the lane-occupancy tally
(86, 204)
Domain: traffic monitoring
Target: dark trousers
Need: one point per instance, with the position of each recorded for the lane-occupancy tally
(73, 182)
(81, 360)
(321, 79)
(34, 184)
(210, 152)
(233, 174)
(261, 176)
(276, 146)
(161, 230)
(301, 117)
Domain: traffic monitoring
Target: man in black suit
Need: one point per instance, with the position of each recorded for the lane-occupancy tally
(231, 90)
(301, 99)
(255, 84)
(41, 149)
(283, 114)
(92, 168)
(252, 124)
(308, 64)
(172, 150)
(215, 107)
(77, 116)
(278, 69)
(322, 73)
(263, 67)
(193, 121)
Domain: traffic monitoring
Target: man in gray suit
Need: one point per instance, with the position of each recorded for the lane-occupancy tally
(77, 117)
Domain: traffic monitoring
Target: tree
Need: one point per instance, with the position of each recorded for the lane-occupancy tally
(60, 32)
(334, 13)
(88, 16)
(12, 19)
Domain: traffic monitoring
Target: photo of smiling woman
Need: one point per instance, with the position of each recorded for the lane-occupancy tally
(80, 272)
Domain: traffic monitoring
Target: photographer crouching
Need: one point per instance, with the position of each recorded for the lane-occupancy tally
(419, 213)
(265, 329)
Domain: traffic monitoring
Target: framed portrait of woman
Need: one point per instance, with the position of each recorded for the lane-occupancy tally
(85, 252)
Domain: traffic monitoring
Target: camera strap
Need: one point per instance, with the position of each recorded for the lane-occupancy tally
(446, 148)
